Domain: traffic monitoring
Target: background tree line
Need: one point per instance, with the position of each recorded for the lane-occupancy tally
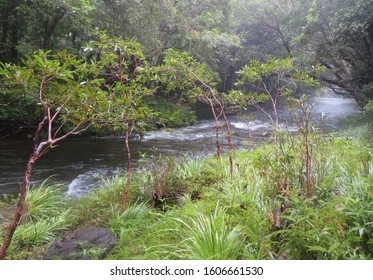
(336, 37)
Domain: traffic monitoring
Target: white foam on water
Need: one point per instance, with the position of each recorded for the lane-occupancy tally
(252, 125)
(261, 127)
(86, 182)
(189, 133)
(174, 135)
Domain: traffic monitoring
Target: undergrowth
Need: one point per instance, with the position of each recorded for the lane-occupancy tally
(192, 208)
(46, 217)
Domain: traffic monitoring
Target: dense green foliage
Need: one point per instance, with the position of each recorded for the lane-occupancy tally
(112, 75)
(61, 90)
(225, 35)
(171, 114)
(204, 213)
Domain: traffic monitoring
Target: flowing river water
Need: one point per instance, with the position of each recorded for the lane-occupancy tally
(78, 163)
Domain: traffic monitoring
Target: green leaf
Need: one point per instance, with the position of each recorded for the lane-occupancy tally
(318, 249)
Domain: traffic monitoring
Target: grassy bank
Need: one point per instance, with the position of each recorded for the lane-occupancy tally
(187, 208)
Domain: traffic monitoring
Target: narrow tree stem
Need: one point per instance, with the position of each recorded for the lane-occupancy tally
(20, 206)
(211, 104)
(128, 184)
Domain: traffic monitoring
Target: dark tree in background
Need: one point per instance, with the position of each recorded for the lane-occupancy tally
(27, 26)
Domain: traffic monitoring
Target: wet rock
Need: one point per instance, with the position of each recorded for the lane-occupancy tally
(82, 244)
(282, 257)
(6, 216)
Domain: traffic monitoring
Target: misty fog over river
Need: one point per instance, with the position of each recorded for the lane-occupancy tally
(76, 162)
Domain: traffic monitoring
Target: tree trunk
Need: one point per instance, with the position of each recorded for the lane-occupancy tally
(20, 205)
(4, 30)
(229, 135)
(36, 153)
(14, 38)
(343, 82)
(8, 12)
(49, 27)
(128, 184)
(211, 104)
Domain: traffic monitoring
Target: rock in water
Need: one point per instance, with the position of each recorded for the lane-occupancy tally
(82, 244)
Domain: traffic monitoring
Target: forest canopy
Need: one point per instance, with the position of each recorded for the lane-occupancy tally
(335, 38)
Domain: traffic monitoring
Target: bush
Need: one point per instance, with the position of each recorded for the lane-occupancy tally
(170, 114)
(208, 237)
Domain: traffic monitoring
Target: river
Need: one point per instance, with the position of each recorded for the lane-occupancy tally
(78, 163)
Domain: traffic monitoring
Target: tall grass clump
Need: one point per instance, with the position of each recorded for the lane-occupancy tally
(95, 208)
(41, 231)
(358, 127)
(46, 216)
(356, 204)
(44, 201)
(122, 223)
(208, 237)
(246, 204)
(190, 167)
(144, 233)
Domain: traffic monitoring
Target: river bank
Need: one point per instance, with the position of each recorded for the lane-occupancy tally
(198, 200)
